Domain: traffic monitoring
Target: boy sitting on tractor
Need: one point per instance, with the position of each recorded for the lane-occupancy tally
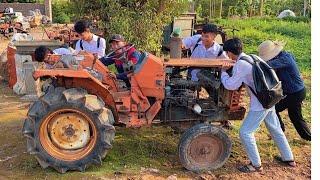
(124, 56)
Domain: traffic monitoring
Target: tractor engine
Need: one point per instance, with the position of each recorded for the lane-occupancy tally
(188, 100)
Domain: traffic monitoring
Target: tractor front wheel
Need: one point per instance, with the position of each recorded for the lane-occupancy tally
(69, 129)
(204, 147)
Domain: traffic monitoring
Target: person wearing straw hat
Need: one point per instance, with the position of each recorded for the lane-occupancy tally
(293, 87)
(242, 74)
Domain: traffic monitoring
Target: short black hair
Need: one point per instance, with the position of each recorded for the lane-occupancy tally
(233, 45)
(210, 28)
(40, 53)
(81, 26)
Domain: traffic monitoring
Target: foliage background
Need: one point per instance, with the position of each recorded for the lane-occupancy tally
(142, 21)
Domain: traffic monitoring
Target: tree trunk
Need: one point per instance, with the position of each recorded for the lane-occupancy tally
(210, 9)
(305, 5)
(220, 13)
(214, 7)
(161, 6)
(261, 8)
(250, 8)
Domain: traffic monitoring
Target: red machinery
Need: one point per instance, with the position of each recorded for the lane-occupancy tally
(72, 125)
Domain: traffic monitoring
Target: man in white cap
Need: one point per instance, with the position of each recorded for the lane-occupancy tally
(292, 84)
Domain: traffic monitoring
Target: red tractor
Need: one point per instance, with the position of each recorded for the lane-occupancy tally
(71, 126)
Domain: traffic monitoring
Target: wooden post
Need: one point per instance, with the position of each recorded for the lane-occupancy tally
(48, 9)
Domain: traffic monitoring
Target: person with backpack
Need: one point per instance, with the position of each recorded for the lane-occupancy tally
(124, 56)
(89, 42)
(292, 84)
(245, 72)
(204, 46)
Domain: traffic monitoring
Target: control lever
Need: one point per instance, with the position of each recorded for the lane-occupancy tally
(95, 55)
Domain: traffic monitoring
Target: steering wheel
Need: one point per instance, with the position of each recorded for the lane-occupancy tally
(124, 48)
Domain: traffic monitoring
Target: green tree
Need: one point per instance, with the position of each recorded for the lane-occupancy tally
(254, 7)
(62, 12)
(140, 21)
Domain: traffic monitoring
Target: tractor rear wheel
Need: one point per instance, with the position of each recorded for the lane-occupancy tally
(204, 147)
(69, 129)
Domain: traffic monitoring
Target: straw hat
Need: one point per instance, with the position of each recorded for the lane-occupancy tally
(270, 49)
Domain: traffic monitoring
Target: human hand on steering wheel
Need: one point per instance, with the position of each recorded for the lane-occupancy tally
(114, 54)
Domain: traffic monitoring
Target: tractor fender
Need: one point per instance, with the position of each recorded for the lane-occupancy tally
(69, 78)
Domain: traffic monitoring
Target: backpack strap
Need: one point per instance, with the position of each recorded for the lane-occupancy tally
(81, 44)
(220, 51)
(98, 42)
(196, 44)
(245, 58)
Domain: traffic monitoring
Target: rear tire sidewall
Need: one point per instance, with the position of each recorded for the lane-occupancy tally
(57, 100)
(194, 132)
(79, 107)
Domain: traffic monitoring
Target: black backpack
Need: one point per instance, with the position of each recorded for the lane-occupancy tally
(268, 87)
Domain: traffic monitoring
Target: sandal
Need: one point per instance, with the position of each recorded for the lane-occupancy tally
(291, 163)
(250, 168)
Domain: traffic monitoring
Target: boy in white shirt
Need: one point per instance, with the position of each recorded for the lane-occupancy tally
(242, 73)
(204, 46)
(89, 42)
(42, 55)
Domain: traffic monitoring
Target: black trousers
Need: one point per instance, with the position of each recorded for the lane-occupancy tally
(293, 103)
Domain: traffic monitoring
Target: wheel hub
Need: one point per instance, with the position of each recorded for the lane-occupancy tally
(205, 150)
(69, 131)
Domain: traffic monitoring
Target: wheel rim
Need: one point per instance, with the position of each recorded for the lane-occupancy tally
(205, 150)
(68, 134)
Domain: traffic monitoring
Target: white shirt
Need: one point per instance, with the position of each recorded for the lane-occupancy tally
(62, 51)
(242, 73)
(92, 46)
(201, 51)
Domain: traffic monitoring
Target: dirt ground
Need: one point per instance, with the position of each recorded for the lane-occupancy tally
(16, 163)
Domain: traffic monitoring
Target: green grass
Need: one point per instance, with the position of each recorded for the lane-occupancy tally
(254, 31)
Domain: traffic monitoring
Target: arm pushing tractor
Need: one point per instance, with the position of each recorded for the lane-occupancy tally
(72, 125)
